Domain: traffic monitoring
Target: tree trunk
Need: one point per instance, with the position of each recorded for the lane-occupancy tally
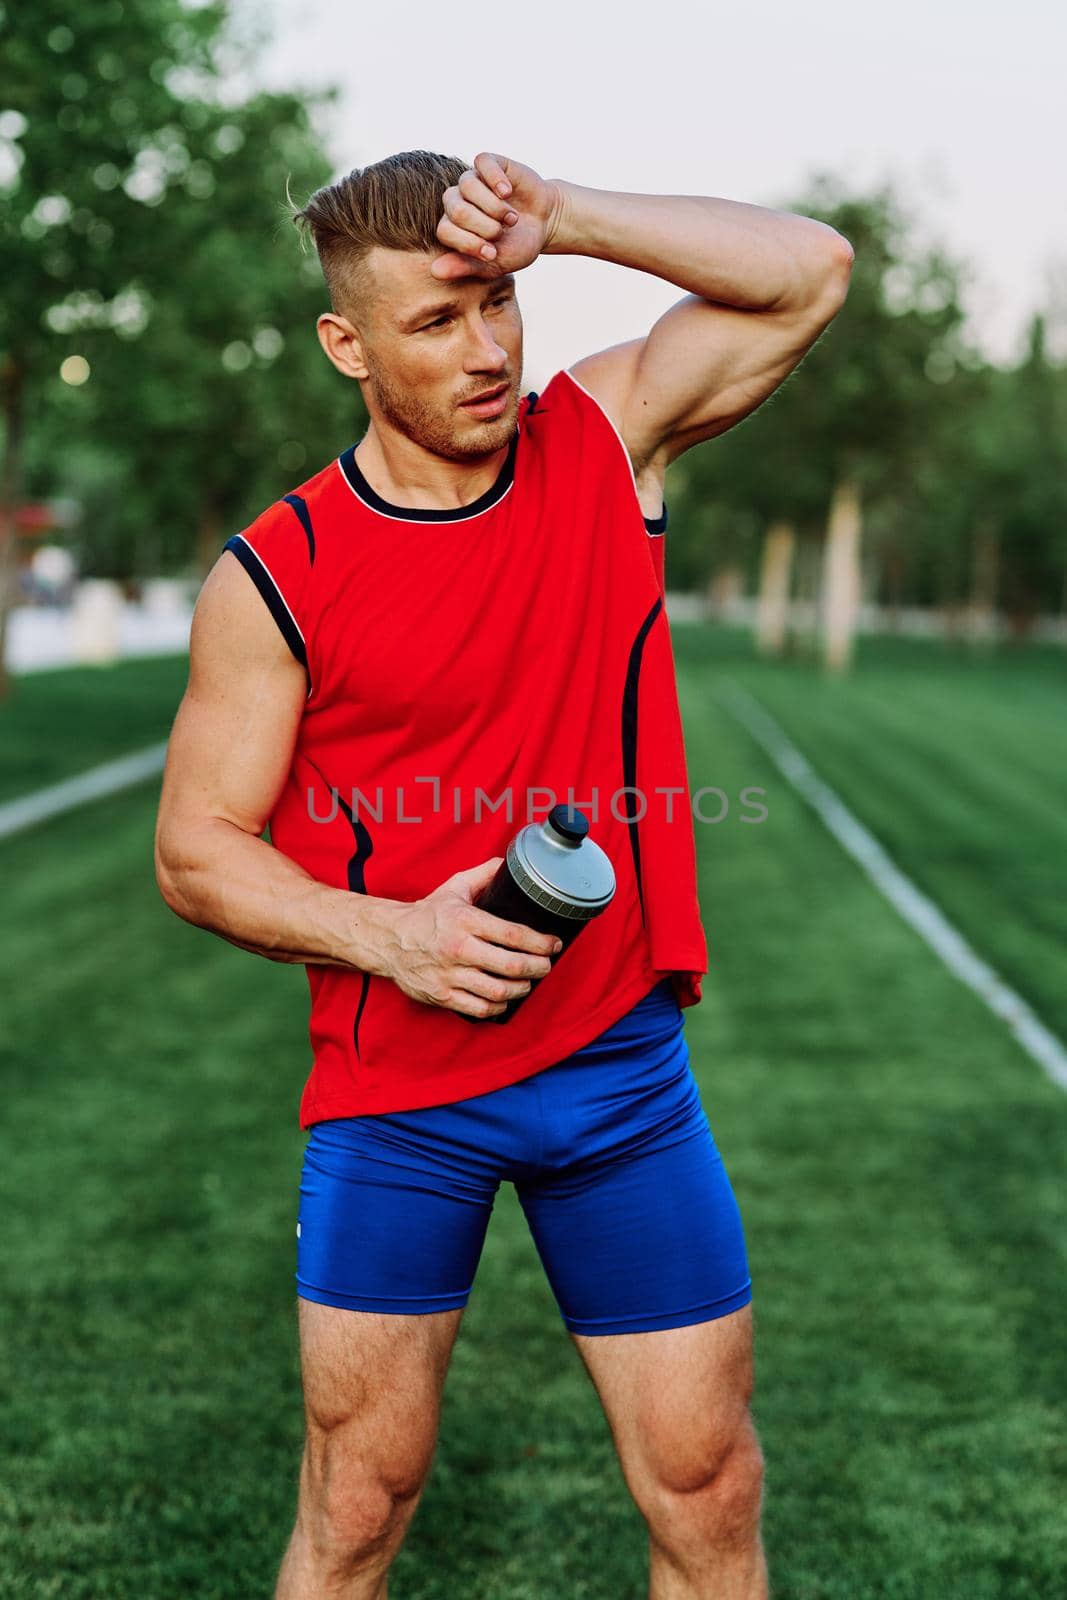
(11, 380)
(894, 582)
(1022, 614)
(985, 580)
(209, 540)
(952, 620)
(841, 574)
(727, 584)
(776, 572)
(804, 638)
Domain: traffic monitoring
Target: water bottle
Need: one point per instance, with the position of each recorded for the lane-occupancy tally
(553, 878)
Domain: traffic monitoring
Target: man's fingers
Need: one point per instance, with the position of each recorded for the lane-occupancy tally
(511, 960)
(497, 989)
(478, 956)
(493, 171)
(465, 214)
(477, 193)
(514, 935)
(454, 265)
(470, 1005)
(457, 238)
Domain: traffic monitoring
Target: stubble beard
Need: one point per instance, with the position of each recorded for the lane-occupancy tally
(444, 435)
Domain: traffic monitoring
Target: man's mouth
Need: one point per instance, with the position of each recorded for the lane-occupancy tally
(487, 396)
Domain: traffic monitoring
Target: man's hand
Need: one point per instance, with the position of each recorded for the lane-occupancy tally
(446, 951)
(497, 219)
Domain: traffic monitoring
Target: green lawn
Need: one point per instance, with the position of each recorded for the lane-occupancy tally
(957, 764)
(56, 723)
(898, 1162)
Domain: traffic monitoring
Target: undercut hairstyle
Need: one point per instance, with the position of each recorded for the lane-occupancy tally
(396, 203)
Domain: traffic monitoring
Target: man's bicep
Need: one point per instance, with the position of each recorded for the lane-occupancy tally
(704, 367)
(701, 368)
(232, 743)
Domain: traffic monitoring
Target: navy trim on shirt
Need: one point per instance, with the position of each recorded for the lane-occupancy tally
(656, 525)
(359, 485)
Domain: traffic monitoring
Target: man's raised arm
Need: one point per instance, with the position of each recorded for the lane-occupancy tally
(761, 286)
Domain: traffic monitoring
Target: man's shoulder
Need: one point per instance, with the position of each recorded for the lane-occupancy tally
(324, 483)
(563, 404)
(307, 504)
(582, 415)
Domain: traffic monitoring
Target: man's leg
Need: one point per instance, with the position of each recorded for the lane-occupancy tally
(677, 1403)
(389, 1235)
(637, 1226)
(372, 1394)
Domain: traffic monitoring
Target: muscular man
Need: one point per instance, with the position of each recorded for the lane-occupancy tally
(440, 634)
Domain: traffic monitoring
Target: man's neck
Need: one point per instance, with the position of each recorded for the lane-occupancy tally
(406, 474)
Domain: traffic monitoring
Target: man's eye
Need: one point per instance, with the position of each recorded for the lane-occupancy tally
(501, 300)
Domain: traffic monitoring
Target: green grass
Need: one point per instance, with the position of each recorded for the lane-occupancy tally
(897, 1159)
(958, 763)
(57, 723)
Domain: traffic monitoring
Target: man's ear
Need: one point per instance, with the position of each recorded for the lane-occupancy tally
(343, 344)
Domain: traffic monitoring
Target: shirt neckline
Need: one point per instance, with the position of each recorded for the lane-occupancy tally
(370, 497)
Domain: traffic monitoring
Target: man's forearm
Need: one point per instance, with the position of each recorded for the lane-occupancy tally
(724, 250)
(249, 893)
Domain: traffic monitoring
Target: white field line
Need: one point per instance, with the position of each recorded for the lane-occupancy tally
(29, 809)
(929, 922)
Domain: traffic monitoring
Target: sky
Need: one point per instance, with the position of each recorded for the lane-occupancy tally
(956, 102)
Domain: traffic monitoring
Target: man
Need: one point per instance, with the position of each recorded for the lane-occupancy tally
(463, 608)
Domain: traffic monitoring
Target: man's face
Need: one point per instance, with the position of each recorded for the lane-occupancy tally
(429, 345)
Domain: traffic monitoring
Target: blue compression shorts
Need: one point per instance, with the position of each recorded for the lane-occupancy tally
(614, 1165)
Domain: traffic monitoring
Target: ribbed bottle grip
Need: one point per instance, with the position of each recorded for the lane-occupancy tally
(543, 896)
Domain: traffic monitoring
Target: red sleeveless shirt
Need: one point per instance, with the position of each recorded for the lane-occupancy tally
(467, 670)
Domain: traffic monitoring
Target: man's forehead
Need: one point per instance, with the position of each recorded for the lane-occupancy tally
(400, 270)
(409, 287)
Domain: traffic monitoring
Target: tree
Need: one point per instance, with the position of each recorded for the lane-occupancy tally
(142, 246)
(219, 398)
(846, 430)
(84, 130)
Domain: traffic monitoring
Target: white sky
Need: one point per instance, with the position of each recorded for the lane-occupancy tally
(959, 101)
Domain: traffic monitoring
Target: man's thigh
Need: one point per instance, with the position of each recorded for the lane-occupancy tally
(676, 1400)
(630, 1206)
(372, 1394)
(644, 1240)
(388, 1240)
(393, 1215)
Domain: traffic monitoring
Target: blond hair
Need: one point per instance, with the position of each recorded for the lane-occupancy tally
(396, 203)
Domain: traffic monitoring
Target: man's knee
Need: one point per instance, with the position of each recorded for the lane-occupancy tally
(355, 1504)
(712, 1487)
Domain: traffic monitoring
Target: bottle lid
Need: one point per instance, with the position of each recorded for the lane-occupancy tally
(571, 824)
(559, 867)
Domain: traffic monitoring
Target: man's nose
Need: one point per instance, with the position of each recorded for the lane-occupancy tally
(484, 354)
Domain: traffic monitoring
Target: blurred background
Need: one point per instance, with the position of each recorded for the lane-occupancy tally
(868, 600)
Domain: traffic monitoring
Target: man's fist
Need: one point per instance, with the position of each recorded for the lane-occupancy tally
(446, 951)
(497, 219)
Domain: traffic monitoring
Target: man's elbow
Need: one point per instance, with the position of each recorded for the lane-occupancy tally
(823, 274)
(168, 883)
(838, 269)
(172, 878)
(842, 249)
(828, 280)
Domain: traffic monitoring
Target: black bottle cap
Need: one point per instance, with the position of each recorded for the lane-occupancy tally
(570, 823)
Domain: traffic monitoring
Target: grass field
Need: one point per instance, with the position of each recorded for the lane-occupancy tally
(59, 722)
(898, 1161)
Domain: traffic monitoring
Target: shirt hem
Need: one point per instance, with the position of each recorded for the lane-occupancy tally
(353, 1103)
